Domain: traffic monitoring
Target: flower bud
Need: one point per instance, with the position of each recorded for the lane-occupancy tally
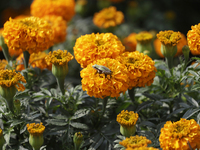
(127, 131)
(78, 139)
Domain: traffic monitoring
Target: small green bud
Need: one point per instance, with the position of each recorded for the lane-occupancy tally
(78, 139)
(59, 71)
(36, 141)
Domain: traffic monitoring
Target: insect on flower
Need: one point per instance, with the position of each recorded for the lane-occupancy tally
(102, 69)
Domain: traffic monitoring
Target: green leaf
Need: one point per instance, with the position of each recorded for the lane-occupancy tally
(191, 100)
(20, 95)
(147, 123)
(57, 122)
(46, 91)
(16, 122)
(96, 144)
(190, 112)
(144, 105)
(80, 113)
(152, 96)
(79, 125)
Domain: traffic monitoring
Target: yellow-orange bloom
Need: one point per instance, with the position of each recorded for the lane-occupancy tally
(35, 60)
(176, 135)
(3, 64)
(108, 17)
(142, 148)
(130, 42)
(10, 78)
(101, 85)
(169, 37)
(35, 129)
(135, 142)
(141, 69)
(41, 8)
(193, 38)
(59, 26)
(30, 34)
(182, 42)
(127, 119)
(59, 57)
(91, 47)
(144, 37)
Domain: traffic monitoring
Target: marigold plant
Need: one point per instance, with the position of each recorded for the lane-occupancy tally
(3, 64)
(10, 78)
(141, 69)
(41, 8)
(130, 42)
(59, 26)
(91, 47)
(30, 34)
(101, 85)
(135, 142)
(193, 38)
(176, 135)
(108, 17)
(127, 118)
(35, 129)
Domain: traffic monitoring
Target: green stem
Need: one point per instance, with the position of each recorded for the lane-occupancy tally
(4, 49)
(131, 93)
(169, 61)
(26, 58)
(60, 82)
(105, 101)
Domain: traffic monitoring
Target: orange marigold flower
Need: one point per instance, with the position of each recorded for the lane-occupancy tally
(3, 64)
(142, 148)
(127, 119)
(10, 78)
(101, 85)
(144, 37)
(141, 69)
(91, 47)
(182, 42)
(35, 129)
(30, 34)
(176, 135)
(108, 17)
(59, 57)
(59, 26)
(41, 8)
(130, 42)
(169, 38)
(135, 142)
(193, 38)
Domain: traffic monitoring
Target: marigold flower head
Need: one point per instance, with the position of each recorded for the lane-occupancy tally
(91, 47)
(176, 135)
(108, 17)
(135, 142)
(30, 34)
(3, 64)
(169, 37)
(142, 148)
(59, 25)
(59, 57)
(181, 43)
(141, 69)
(130, 42)
(193, 38)
(35, 129)
(101, 85)
(41, 8)
(10, 78)
(144, 37)
(126, 118)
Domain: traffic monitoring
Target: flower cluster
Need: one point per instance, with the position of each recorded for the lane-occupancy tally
(101, 85)
(35, 129)
(91, 47)
(30, 34)
(135, 142)
(141, 69)
(59, 57)
(176, 135)
(108, 17)
(193, 37)
(10, 78)
(41, 8)
(127, 119)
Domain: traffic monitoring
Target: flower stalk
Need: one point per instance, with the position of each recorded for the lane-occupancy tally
(131, 93)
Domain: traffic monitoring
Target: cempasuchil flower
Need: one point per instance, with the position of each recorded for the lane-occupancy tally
(59, 25)
(91, 47)
(142, 148)
(30, 34)
(63, 8)
(177, 135)
(135, 142)
(130, 42)
(141, 69)
(193, 38)
(108, 17)
(3, 64)
(144, 37)
(102, 85)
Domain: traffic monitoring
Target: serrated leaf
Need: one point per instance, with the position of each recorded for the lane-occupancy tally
(46, 91)
(58, 116)
(191, 100)
(148, 123)
(97, 144)
(80, 113)
(152, 96)
(190, 112)
(16, 122)
(176, 112)
(144, 105)
(57, 122)
(79, 125)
